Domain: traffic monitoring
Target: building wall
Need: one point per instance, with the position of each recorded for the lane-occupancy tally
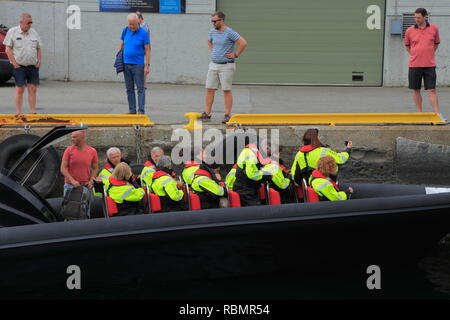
(396, 58)
(179, 49)
(179, 41)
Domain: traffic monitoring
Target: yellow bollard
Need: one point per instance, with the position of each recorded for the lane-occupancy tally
(193, 123)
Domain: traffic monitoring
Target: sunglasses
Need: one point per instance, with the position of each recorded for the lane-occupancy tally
(31, 22)
(215, 21)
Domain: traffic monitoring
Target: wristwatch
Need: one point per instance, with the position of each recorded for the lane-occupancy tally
(235, 55)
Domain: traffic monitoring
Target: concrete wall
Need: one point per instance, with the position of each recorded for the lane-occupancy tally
(179, 41)
(395, 56)
(376, 156)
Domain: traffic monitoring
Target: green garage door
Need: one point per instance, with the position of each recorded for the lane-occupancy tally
(308, 41)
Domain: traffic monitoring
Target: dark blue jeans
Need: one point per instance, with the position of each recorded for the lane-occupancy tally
(134, 75)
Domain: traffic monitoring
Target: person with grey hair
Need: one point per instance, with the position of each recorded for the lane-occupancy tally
(135, 46)
(150, 166)
(165, 186)
(113, 158)
(23, 48)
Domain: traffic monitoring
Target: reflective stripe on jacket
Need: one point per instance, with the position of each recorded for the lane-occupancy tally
(164, 185)
(121, 191)
(250, 161)
(203, 182)
(278, 178)
(189, 171)
(313, 155)
(231, 178)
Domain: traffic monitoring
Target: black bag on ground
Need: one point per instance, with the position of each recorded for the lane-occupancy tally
(77, 204)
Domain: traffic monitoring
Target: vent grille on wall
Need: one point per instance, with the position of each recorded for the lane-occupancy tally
(408, 21)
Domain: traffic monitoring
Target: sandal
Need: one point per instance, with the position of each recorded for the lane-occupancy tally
(226, 118)
(205, 116)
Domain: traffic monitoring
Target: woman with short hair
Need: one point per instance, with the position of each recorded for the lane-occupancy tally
(127, 195)
(323, 185)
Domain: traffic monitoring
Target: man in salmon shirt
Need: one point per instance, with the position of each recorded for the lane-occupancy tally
(422, 41)
(79, 163)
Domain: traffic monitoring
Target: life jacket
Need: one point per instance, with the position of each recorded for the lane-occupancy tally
(316, 174)
(205, 171)
(108, 166)
(304, 173)
(258, 154)
(160, 173)
(241, 177)
(191, 164)
(150, 163)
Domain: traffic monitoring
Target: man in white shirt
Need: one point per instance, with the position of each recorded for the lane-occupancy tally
(23, 47)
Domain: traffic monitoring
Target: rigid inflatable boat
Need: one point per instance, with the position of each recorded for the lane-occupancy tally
(204, 253)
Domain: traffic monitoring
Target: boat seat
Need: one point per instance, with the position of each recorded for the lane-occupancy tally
(155, 203)
(234, 199)
(311, 195)
(262, 192)
(299, 192)
(111, 206)
(274, 197)
(194, 202)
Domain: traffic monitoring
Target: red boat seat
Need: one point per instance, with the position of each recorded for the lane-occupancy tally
(274, 197)
(155, 203)
(194, 200)
(111, 206)
(262, 192)
(299, 192)
(234, 199)
(312, 196)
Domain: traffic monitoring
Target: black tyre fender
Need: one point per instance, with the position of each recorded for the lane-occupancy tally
(46, 175)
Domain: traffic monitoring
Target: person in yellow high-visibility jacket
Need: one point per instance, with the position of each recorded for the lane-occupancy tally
(231, 178)
(206, 184)
(113, 158)
(127, 196)
(306, 159)
(323, 185)
(191, 166)
(249, 175)
(165, 186)
(149, 169)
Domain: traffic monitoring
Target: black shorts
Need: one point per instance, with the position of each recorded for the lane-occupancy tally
(26, 74)
(428, 74)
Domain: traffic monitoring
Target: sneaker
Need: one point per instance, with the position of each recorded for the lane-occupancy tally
(130, 113)
(226, 118)
(205, 116)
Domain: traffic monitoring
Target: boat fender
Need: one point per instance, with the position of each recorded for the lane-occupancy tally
(47, 174)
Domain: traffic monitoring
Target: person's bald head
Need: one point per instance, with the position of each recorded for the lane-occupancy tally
(78, 138)
(133, 22)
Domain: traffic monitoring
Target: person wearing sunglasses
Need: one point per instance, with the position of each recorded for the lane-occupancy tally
(221, 42)
(23, 48)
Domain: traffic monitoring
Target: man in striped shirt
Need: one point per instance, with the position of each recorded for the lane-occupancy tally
(222, 67)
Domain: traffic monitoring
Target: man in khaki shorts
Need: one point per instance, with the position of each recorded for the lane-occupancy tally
(23, 47)
(222, 67)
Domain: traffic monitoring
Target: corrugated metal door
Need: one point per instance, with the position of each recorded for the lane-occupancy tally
(309, 41)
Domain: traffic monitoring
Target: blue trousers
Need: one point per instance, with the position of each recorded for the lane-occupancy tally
(134, 75)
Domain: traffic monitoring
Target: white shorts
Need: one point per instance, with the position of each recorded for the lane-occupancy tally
(220, 74)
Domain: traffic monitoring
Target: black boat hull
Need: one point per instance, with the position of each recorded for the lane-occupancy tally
(208, 254)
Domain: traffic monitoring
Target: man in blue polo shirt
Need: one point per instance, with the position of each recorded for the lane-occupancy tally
(136, 57)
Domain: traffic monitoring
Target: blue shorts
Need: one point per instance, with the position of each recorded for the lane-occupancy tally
(24, 75)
